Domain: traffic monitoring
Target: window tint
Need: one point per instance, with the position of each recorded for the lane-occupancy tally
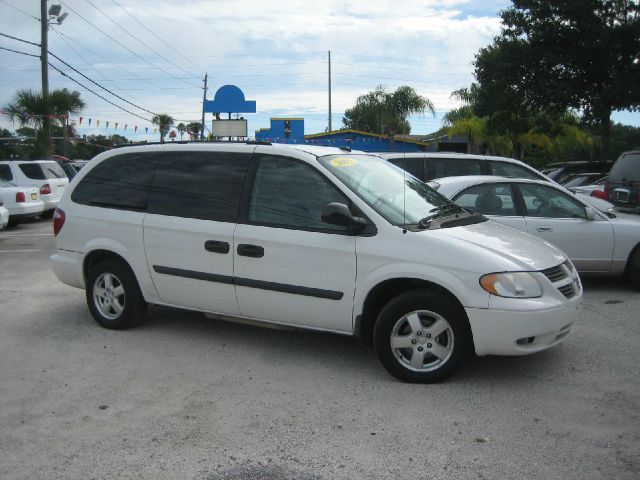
(506, 169)
(290, 193)
(119, 182)
(493, 199)
(5, 172)
(202, 185)
(453, 167)
(415, 166)
(42, 171)
(543, 201)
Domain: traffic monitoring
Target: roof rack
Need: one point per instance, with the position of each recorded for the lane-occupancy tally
(189, 142)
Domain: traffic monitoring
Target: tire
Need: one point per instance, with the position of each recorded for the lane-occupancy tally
(633, 269)
(13, 221)
(421, 336)
(113, 296)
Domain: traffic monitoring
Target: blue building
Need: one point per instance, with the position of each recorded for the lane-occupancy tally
(282, 130)
(365, 141)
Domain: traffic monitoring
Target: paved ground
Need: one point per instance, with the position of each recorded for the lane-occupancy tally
(184, 396)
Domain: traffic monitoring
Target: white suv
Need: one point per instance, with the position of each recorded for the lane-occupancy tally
(312, 237)
(46, 175)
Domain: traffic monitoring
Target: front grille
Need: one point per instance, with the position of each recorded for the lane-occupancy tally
(564, 278)
(555, 273)
(567, 290)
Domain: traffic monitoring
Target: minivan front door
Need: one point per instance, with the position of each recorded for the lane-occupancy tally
(290, 266)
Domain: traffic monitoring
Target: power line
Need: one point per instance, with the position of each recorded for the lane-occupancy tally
(97, 94)
(21, 53)
(20, 39)
(98, 85)
(152, 33)
(118, 43)
(102, 57)
(136, 38)
(20, 10)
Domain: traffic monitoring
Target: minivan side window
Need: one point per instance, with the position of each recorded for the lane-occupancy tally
(489, 199)
(120, 182)
(291, 194)
(5, 172)
(200, 185)
(415, 166)
(453, 167)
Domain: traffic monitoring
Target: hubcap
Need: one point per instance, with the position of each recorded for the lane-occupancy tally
(422, 341)
(108, 296)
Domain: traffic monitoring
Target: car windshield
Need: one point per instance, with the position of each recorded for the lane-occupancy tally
(398, 196)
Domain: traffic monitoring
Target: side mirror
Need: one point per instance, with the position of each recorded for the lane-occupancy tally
(339, 214)
(591, 215)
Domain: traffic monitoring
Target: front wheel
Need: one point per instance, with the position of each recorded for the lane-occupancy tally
(421, 336)
(633, 269)
(113, 296)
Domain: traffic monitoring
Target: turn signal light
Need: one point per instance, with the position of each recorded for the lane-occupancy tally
(20, 198)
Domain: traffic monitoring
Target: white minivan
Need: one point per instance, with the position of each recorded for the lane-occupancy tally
(309, 237)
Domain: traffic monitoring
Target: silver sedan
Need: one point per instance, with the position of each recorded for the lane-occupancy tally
(596, 241)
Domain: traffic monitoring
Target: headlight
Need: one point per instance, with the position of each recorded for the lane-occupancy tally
(511, 285)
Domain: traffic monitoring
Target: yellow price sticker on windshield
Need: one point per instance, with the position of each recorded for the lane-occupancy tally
(343, 162)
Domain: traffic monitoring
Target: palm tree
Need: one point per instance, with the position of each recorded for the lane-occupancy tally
(164, 123)
(194, 129)
(29, 109)
(182, 128)
(386, 112)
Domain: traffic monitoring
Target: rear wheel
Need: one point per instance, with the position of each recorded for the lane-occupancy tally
(421, 336)
(113, 296)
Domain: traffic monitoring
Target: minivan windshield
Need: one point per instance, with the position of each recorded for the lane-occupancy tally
(626, 168)
(395, 194)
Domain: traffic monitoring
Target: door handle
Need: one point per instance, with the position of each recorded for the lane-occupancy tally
(254, 251)
(216, 246)
(544, 228)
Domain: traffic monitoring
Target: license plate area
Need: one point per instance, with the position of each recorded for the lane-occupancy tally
(621, 195)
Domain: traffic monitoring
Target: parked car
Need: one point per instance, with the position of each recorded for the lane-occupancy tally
(596, 242)
(581, 179)
(309, 237)
(622, 187)
(46, 175)
(21, 202)
(428, 166)
(596, 189)
(69, 170)
(560, 170)
(4, 215)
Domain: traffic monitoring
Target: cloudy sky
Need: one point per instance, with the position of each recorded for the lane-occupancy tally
(154, 55)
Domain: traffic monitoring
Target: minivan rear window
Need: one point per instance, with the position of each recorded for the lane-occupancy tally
(42, 171)
(627, 167)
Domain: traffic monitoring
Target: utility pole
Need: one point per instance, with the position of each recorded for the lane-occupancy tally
(329, 90)
(204, 99)
(44, 59)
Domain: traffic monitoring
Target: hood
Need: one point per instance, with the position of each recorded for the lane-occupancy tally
(512, 248)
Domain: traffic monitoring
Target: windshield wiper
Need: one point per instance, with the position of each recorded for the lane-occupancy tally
(438, 212)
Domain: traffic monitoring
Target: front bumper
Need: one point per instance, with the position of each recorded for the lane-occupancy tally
(509, 332)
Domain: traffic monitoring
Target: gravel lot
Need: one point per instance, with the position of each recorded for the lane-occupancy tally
(184, 396)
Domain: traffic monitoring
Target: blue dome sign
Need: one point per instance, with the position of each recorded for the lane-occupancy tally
(229, 99)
